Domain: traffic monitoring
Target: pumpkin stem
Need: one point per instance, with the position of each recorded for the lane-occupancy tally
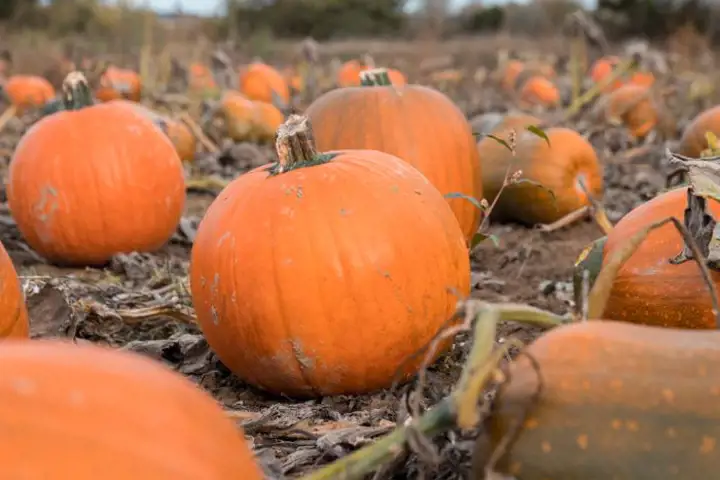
(76, 92)
(295, 145)
(376, 77)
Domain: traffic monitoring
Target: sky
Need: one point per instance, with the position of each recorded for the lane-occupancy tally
(211, 7)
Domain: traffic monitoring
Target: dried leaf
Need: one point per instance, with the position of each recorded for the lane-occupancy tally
(701, 226)
(703, 175)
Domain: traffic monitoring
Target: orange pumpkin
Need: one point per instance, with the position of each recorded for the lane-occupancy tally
(417, 124)
(510, 74)
(606, 400)
(349, 74)
(28, 91)
(559, 167)
(293, 79)
(539, 91)
(201, 77)
(634, 107)
(263, 83)
(113, 412)
(14, 319)
(114, 182)
(247, 120)
(649, 289)
(337, 302)
(119, 83)
(603, 67)
(693, 141)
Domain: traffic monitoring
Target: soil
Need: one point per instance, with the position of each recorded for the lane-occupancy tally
(290, 438)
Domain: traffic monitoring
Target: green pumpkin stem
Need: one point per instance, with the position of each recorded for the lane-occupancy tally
(295, 145)
(76, 92)
(376, 77)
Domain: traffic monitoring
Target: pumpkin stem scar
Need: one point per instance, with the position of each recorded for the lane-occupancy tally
(76, 92)
(376, 77)
(295, 146)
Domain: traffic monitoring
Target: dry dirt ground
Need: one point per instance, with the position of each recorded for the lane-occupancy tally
(290, 437)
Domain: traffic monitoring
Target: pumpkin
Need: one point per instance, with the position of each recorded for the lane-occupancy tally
(263, 83)
(558, 167)
(604, 67)
(113, 412)
(293, 78)
(417, 124)
(349, 74)
(325, 297)
(510, 74)
(648, 289)
(14, 319)
(539, 91)
(247, 120)
(200, 78)
(634, 107)
(92, 181)
(693, 141)
(119, 83)
(617, 401)
(177, 131)
(28, 91)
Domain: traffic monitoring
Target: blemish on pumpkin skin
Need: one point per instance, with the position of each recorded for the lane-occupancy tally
(47, 205)
(668, 395)
(715, 391)
(616, 384)
(530, 424)
(671, 432)
(616, 424)
(304, 361)
(632, 425)
(24, 386)
(545, 446)
(582, 441)
(707, 445)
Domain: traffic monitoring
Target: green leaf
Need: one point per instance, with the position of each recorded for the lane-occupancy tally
(470, 199)
(500, 141)
(478, 238)
(534, 129)
(536, 184)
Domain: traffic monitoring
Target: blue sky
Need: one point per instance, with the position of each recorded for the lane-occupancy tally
(210, 7)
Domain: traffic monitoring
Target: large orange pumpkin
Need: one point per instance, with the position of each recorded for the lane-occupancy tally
(649, 289)
(95, 180)
(693, 141)
(28, 91)
(119, 83)
(417, 124)
(559, 167)
(14, 319)
(634, 107)
(264, 83)
(325, 297)
(86, 412)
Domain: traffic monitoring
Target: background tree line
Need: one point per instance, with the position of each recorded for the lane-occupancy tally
(325, 19)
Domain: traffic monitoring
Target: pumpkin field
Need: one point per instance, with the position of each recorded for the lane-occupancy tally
(488, 257)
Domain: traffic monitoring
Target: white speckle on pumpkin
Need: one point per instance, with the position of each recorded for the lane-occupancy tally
(77, 398)
(24, 386)
(215, 316)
